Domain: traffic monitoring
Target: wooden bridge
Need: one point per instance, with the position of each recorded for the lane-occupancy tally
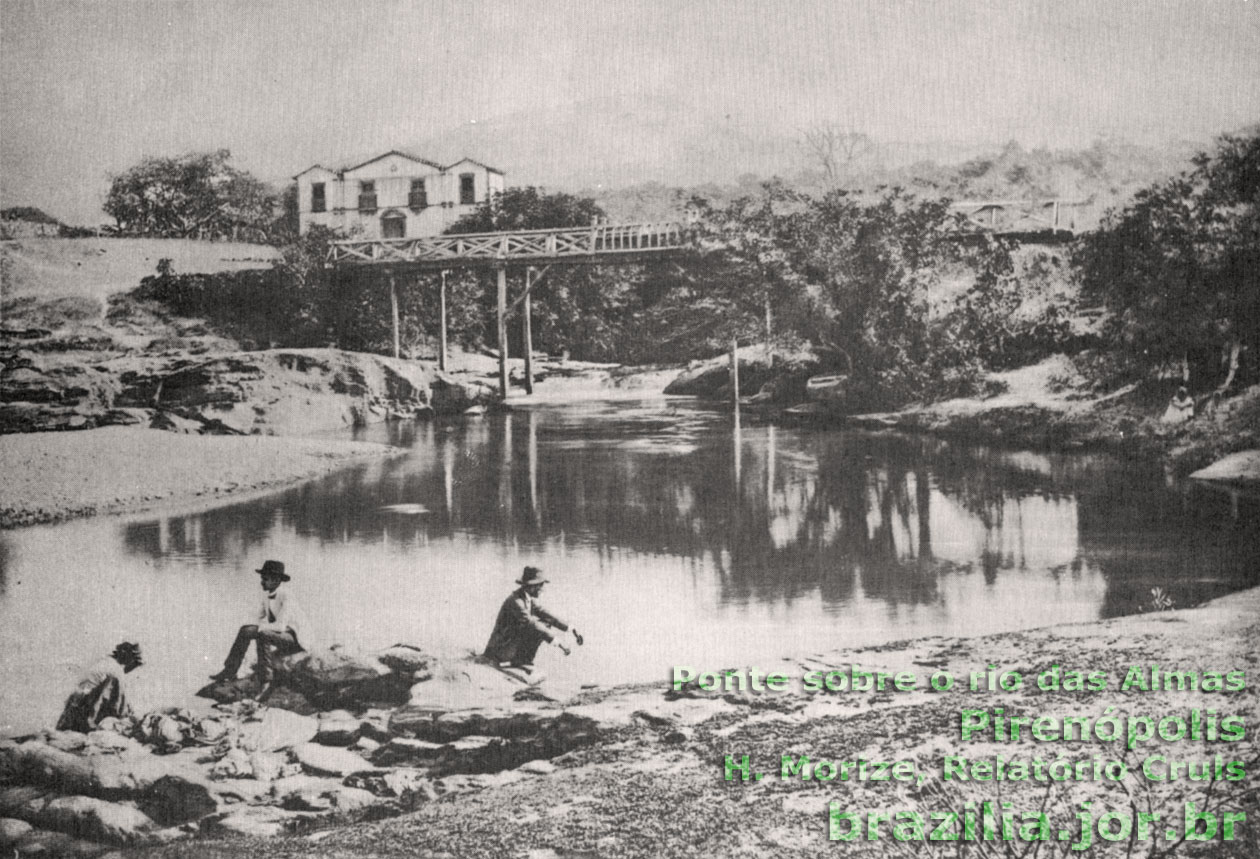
(610, 243)
(537, 250)
(1031, 221)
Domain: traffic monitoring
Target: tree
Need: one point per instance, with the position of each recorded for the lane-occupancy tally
(528, 208)
(198, 195)
(856, 278)
(578, 308)
(836, 150)
(1179, 267)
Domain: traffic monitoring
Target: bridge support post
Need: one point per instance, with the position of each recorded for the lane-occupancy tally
(528, 332)
(393, 309)
(442, 314)
(503, 340)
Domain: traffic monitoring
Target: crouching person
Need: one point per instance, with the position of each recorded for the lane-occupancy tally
(275, 634)
(523, 625)
(100, 694)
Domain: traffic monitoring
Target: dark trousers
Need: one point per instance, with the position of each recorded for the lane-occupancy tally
(527, 643)
(270, 644)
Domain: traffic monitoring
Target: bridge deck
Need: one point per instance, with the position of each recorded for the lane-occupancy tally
(1022, 220)
(600, 243)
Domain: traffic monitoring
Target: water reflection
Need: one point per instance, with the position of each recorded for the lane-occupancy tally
(678, 537)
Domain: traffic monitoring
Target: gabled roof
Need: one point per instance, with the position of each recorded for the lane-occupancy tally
(314, 167)
(397, 152)
(480, 164)
(342, 170)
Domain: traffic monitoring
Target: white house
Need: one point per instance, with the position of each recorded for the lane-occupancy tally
(393, 196)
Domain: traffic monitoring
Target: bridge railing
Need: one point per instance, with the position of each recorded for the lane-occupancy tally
(515, 246)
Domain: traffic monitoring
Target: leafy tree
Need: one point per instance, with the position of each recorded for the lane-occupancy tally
(528, 208)
(578, 308)
(1179, 267)
(856, 278)
(198, 195)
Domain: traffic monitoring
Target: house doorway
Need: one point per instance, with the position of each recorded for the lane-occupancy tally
(393, 225)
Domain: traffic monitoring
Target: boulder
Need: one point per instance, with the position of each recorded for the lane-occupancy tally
(96, 820)
(259, 822)
(169, 791)
(267, 766)
(40, 842)
(21, 801)
(338, 728)
(324, 760)
(366, 745)
(79, 816)
(402, 750)
(393, 782)
(405, 659)
(274, 729)
(462, 685)
(341, 678)
(451, 396)
(538, 767)
(11, 830)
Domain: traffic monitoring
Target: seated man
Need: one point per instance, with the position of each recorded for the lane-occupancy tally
(523, 624)
(275, 634)
(99, 695)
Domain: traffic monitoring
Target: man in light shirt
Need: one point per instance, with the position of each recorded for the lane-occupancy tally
(100, 695)
(276, 633)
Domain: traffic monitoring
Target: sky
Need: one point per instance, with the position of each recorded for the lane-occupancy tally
(89, 88)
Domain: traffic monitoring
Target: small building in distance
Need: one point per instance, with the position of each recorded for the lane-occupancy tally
(393, 196)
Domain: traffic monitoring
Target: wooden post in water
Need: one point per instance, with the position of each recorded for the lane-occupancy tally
(769, 333)
(529, 335)
(393, 308)
(735, 375)
(503, 340)
(442, 314)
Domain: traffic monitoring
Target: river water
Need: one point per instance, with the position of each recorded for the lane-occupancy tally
(670, 537)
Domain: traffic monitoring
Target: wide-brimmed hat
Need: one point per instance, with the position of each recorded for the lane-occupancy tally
(273, 568)
(532, 576)
(127, 652)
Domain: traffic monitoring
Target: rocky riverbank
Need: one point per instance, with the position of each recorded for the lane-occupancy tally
(1044, 406)
(426, 757)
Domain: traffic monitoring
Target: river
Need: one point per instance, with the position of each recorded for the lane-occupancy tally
(670, 538)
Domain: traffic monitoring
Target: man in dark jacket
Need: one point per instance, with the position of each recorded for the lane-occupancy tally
(523, 624)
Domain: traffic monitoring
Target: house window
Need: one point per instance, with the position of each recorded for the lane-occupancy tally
(418, 198)
(393, 225)
(367, 197)
(467, 189)
(317, 197)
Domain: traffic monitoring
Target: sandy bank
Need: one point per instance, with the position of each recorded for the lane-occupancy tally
(58, 475)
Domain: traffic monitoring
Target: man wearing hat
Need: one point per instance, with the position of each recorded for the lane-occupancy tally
(523, 624)
(276, 633)
(99, 695)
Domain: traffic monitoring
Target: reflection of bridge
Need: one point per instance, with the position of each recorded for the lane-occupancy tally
(612, 244)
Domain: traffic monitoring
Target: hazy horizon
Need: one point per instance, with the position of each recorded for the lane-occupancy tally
(89, 88)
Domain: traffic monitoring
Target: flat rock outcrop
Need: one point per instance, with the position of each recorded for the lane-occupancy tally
(270, 392)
